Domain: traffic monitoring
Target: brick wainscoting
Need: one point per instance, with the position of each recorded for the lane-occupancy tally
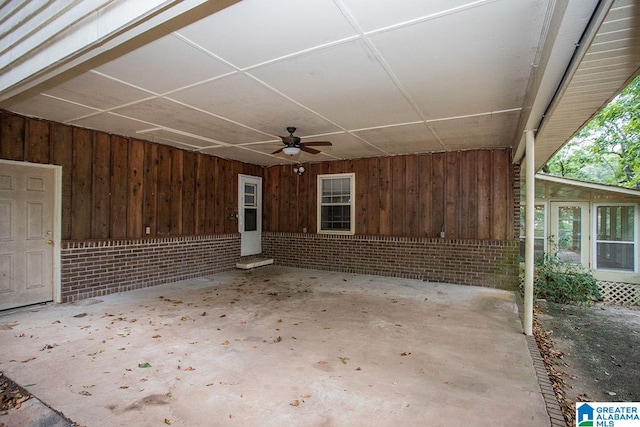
(466, 262)
(95, 268)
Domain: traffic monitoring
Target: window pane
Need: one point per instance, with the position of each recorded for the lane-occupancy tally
(336, 218)
(615, 230)
(250, 191)
(569, 233)
(615, 223)
(250, 219)
(615, 256)
(538, 219)
(538, 248)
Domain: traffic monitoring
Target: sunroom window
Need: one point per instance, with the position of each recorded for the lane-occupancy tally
(539, 233)
(615, 233)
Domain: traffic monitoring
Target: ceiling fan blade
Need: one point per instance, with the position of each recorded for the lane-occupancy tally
(309, 150)
(277, 151)
(317, 143)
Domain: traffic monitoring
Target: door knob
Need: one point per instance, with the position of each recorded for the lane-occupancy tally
(49, 242)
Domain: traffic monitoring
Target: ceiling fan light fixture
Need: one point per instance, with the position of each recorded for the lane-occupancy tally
(291, 151)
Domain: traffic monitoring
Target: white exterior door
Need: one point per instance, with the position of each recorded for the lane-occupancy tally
(570, 231)
(27, 203)
(250, 214)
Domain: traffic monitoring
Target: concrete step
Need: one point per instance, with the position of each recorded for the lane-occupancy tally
(254, 262)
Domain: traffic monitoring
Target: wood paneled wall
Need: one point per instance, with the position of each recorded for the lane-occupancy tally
(114, 187)
(466, 194)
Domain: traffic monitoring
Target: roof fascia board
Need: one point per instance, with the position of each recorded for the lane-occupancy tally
(583, 46)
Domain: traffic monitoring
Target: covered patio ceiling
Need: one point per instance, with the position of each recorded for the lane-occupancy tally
(374, 78)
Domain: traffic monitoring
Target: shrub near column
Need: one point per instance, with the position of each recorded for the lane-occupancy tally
(562, 282)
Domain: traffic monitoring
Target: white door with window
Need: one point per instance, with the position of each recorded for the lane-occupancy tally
(250, 214)
(27, 216)
(570, 231)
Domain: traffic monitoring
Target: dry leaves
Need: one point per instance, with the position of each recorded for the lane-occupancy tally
(549, 353)
(11, 396)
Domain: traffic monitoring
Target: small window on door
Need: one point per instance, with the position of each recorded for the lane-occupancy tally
(250, 207)
(335, 203)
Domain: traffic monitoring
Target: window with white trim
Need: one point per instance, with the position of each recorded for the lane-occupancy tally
(615, 247)
(539, 233)
(336, 194)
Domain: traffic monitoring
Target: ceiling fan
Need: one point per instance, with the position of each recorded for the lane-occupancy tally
(293, 145)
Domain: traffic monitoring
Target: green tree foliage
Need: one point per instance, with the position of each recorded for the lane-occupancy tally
(607, 149)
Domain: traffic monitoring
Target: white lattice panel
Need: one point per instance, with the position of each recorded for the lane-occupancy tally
(620, 293)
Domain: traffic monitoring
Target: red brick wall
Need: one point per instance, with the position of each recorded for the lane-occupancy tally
(95, 268)
(467, 262)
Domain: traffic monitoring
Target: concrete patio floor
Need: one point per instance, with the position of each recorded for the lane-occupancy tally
(280, 346)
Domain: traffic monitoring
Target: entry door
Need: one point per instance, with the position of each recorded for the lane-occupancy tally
(570, 231)
(27, 196)
(250, 214)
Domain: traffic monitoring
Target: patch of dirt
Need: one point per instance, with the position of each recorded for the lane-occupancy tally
(591, 352)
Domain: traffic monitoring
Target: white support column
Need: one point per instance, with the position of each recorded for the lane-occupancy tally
(530, 198)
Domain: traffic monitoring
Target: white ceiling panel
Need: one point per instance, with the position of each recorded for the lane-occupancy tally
(341, 92)
(487, 131)
(118, 125)
(167, 136)
(405, 139)
(376, 15)
(345, 145)
(182, 119)
(164, 64)
(491, 65)
(51, 108)
(244, 100)
(96, 91)
(255, 31)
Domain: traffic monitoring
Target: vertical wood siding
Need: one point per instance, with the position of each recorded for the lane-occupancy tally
(114, 187)
(466, 194)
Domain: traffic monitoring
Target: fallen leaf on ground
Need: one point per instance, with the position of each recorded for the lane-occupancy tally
(168, 421)
(144, 365)
(185, 318)
(295, 403)
(277, 340)
(48, 346)
(305, 396)
(343, 360)
(190, 368)
(80, 315)
(405, 353)
(156, 336)
(226, 342)
(85, 393)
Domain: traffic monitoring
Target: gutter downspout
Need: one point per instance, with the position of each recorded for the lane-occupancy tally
(529, 230)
